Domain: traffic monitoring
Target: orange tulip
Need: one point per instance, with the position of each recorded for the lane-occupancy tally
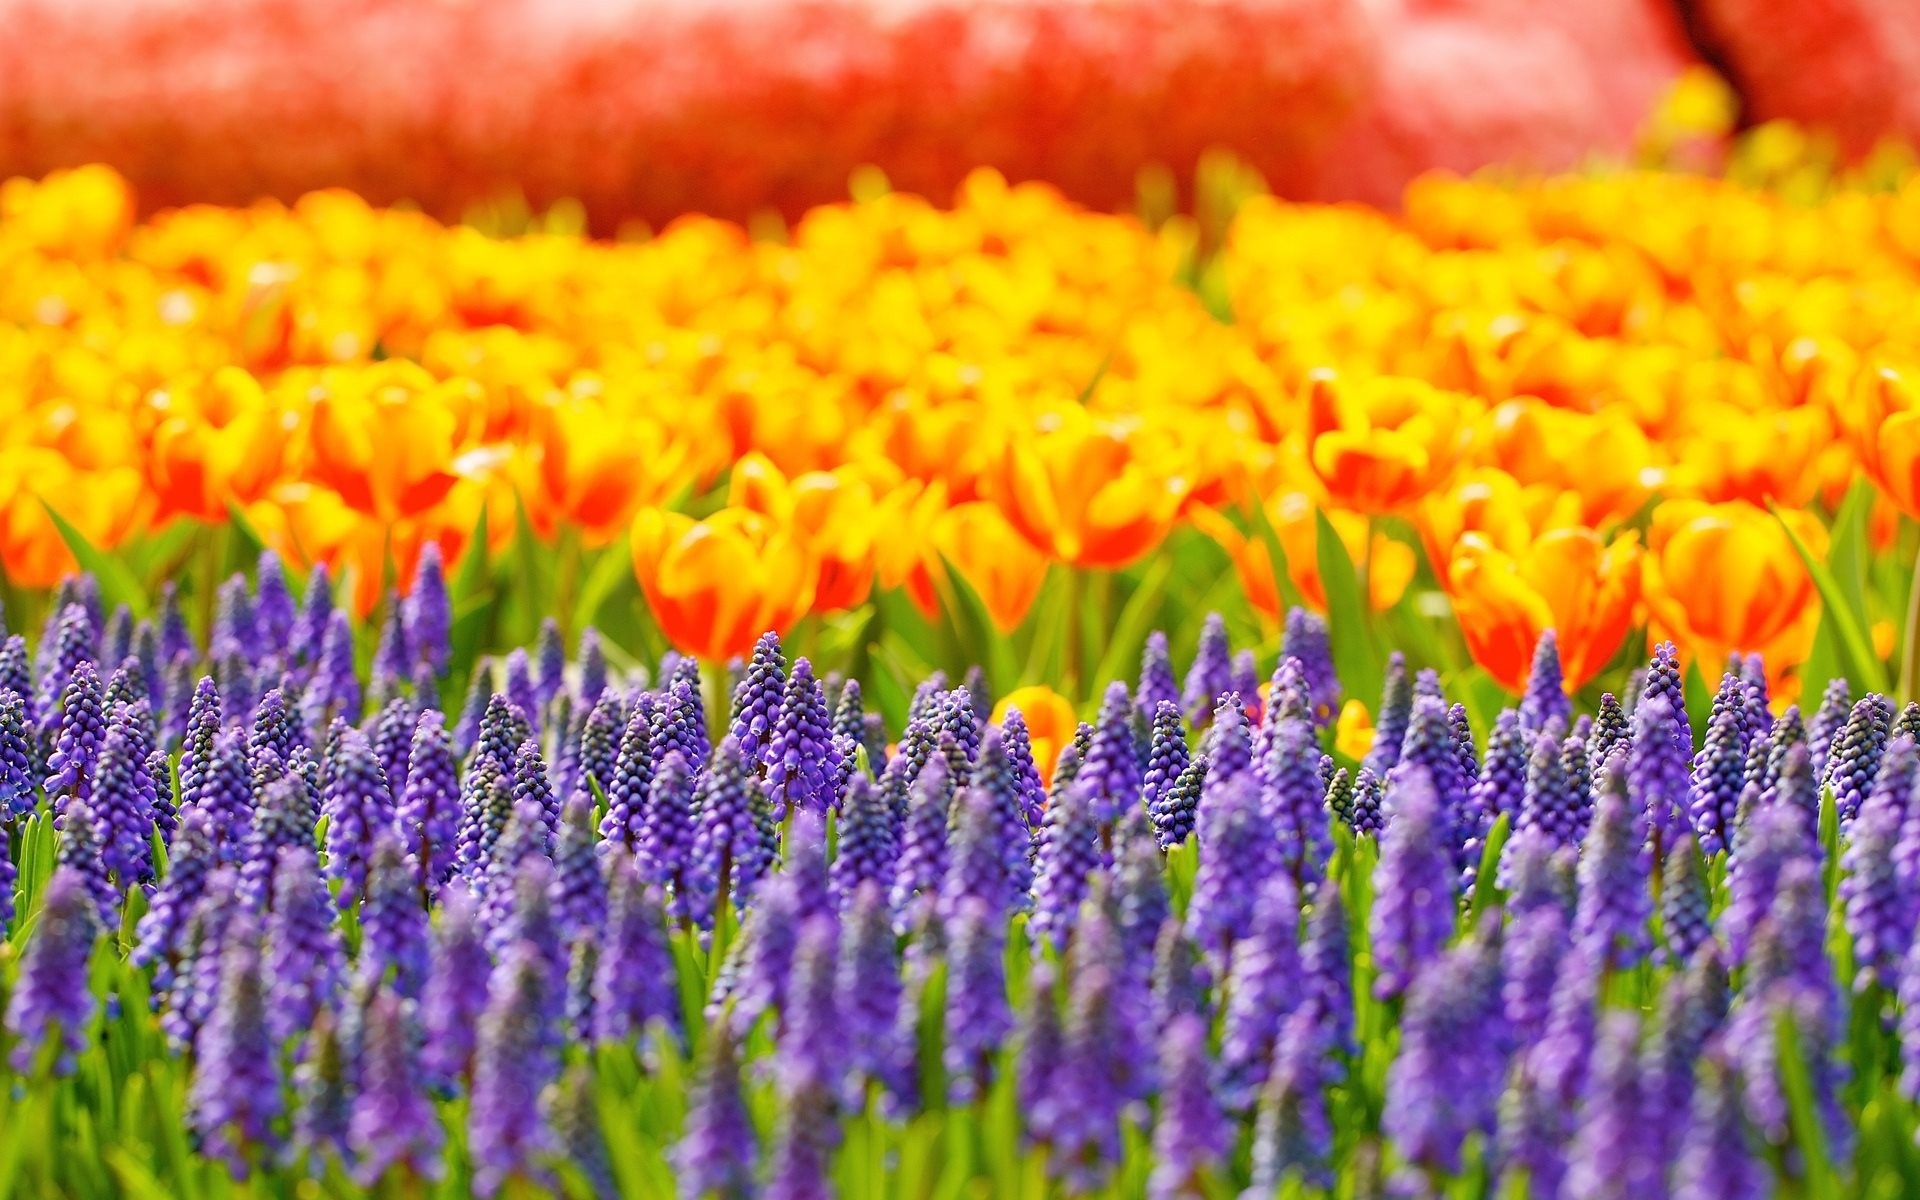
(833, 513)
(1050, 719)
(1603, 458)
(1720, 578)
(1885, 425)
(1086, 491)
(715, 585)
(594, 478)
(1571, 581)
(106, 506)
(219, 444)
(387, 440)
(1378, 445)
(997, 563)
(1492, 503)
(1292, 515)
(1353, 731)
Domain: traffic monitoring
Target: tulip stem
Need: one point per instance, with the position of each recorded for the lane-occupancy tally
(1910, 639)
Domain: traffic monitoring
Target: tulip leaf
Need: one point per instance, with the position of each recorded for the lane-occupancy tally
(609, 571)
(471, 579)
(1355, 659)
(1129, 630)
(978, 634)
(1848, 622)
(242, 525)
(117, 584)
(1483, 880)
(1276, 557)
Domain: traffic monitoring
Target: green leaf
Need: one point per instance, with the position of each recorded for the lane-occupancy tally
(471, 579)
(1848, 614)
(117, 584)
(609, 570)
(1355, 659)
(1129, 631)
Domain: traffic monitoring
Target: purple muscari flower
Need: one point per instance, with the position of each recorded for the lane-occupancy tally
(1326, 963)
(1038, 1053)
(1657, 776)
(1306, 639)
(1611, 727)
(956, 733)
(1530, 961)
(1191, 1136)
(1176, 808)
(1611, 1154)
(728, 857)
(81, 728)
(1179, 979)
(1789, 776)
(1167, 757)
(234, 632)
(124, 686)
(1753, 673)
(190, 861)
(522, 839)
(716, 1154)
(274, 613)
(1772, 837)
(1445, 1083)
(273, 729)
(1836, 703)
(599, 743)
(1292, 800)
(634, 977)
(392, 741)
(1854, 759)
(1390, 726)
(1614, 902)
(456, 989)
(123, 805)
(393, 1124)
(284, 817)
(51, 999)
(979, 1019)
(760, 972)
(1157, 685)
(531, 784)
(394, 933)
(1719, 774)
(516, 1055)
(592, 657)
(1293, 1132)
(1689, 1013)
(1066, 767)
(1500, 787)
(306, 639)
(630, 782)
(1237, 851)
(1246, 679)
(1229, 743)
(520, 690)
(1663, 679)
(429, 808)
(549, 663)
(83, 849)
(203, 725)
(1546, 694)
(1211, 675)
(1112, 764)
(1069, 855)
(757, 701)
(195, 983)
(1554, 802)
(393, 660)
(1086, 1097)
(333, 691)
(428, 611)
(1685, 919)
(1908, 722)
(580, 896)
(680, 725)
(995, 773)
(1262, 987)
(234, 674)
(1412, 913)
(801, 767)
(669, 823)
(466, 730)
(225, 794)
(1879, 907)
(977, 855)
(803, 862)
(304, 957)
(1019, 747)
(1369, 813)
(322, 1105)
(64, 645)
(1717, 1159)
(922, 862)
(1138, 896)
(16, 673)
(807, 1054)
(869, 840)
(1909, 1022)
(359, 809)
(849, 717)
(869, 1004)
(234, 1098)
